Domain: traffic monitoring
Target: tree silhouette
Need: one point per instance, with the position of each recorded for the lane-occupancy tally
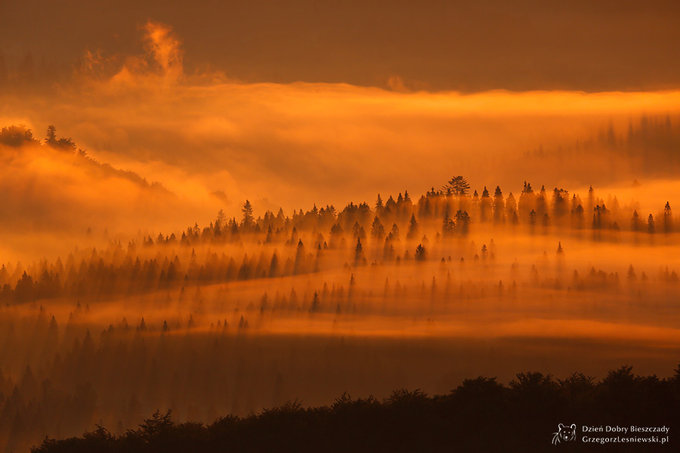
(377, 229)
(358, 252)
(480, 414)
(379, 204)
(498, 205)
(58, 143)
(457, 185)
(635, 222)
(667, 218)
(412, 227)
(15, 136)
(421, 253)
(248, 219)
(462, 221)
(51, 136)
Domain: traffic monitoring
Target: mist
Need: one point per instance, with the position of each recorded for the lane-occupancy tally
(292, 145)
(181, 238)
(238, 315)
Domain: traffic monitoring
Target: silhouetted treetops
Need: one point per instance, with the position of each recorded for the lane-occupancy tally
(20, 135)
(193, 309)
(481, 414)
(224, 318)
(441, 212)
(16, 136)
(647, 147)
(452, 207)
(307, 242)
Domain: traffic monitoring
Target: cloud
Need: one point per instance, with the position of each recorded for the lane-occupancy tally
(165, 49)
(161, 63)
(304, 141)
(63, 192)
(213, 141)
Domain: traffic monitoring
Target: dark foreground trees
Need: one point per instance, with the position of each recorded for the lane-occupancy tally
(480, 415)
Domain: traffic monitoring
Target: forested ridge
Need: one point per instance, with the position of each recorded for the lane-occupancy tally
(479, 415)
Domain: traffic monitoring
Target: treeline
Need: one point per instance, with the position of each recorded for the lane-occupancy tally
(652, 139)
(451, 209)
(20, 136)
(479, 415)
(113, 272)
(439, 213)
(276, 245)
(16, 136)
(106, 275)
(647, 147)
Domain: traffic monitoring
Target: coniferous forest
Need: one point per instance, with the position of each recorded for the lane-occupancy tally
(311, 226)
(256, 323)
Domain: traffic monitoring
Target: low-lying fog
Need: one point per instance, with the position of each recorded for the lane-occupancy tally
(240, 315)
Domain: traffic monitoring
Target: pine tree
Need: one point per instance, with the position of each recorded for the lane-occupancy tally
(377, 229)
(421, 253)
(458, 186)
(412, 227)
(248, 219)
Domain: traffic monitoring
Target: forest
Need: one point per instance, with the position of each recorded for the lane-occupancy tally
(480, 414)
(339, 226)
(208, 325)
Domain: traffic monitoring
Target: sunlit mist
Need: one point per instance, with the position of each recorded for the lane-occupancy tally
(179, 238)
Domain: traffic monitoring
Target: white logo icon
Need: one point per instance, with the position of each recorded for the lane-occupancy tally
(564, 433)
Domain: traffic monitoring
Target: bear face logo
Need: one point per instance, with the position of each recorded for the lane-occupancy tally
(564, 433)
